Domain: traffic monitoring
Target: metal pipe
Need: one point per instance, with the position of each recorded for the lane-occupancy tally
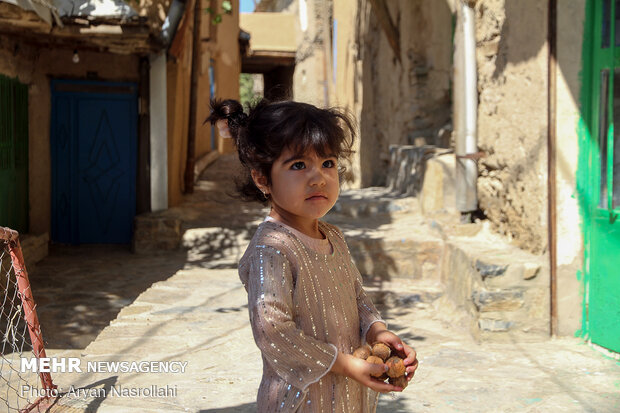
(551, 165)
(466, 109)
(169, 27)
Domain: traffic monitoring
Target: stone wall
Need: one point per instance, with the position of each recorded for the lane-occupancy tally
(398, 99)
(512, 118)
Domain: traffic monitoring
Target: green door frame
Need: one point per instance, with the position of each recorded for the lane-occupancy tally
(601, 277)
(13, 154)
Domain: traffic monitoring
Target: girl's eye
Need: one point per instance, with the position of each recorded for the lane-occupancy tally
(329, 163)
(298, 165)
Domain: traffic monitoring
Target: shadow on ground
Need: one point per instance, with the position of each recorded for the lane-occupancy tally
(89, 398)
(80, 289)
(242, 408)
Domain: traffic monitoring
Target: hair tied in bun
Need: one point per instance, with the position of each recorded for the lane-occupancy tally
(222, 128)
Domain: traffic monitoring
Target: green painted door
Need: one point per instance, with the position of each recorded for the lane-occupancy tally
(602, 315)
(13, 154)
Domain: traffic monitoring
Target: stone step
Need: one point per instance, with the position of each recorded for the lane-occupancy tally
(504, 290)
(398, 245)
(385, 259)
(368, 202)
(386, 297)
(406, 168)
(156, 232)
(510, 299)
(34, 248)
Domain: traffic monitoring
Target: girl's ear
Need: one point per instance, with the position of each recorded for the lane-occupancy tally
(260, 181)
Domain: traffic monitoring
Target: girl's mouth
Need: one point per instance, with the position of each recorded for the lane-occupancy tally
(316, 198)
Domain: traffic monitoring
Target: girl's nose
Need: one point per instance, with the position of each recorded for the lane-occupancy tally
(317, 177)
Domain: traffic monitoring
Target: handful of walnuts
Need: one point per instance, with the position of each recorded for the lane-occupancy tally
(381, 353)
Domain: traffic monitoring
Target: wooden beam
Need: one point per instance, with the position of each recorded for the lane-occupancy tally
(100, 34)
(265, 61)
(383, 16)
(127, 43)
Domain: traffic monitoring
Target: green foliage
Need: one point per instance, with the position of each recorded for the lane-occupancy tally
(246, 89)
(217, 16)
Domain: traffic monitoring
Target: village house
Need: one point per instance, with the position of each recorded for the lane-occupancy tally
(102, 107)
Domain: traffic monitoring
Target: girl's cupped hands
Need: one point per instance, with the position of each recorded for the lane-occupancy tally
(408, 354)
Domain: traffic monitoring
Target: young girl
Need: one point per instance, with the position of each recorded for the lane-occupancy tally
(308, 309)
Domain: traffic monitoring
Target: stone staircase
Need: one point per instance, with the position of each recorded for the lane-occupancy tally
(387, 235)
(408, 231)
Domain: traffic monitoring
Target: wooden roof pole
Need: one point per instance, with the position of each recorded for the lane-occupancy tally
(193, 100)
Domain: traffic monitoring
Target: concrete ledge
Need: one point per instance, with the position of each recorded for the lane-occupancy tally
(34, 248)
(153, 232)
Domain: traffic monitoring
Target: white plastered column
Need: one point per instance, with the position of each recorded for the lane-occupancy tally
(159, 136)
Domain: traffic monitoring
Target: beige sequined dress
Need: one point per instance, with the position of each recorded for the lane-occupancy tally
(306, 303)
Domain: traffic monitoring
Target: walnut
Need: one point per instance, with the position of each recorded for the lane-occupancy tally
(400, 381)
(381, 350)
(375, 360)
(362, 352)
(396, 366)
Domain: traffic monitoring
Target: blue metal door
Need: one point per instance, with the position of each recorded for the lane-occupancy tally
(93, 137)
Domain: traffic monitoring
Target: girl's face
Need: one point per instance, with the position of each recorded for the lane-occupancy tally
(303, 188)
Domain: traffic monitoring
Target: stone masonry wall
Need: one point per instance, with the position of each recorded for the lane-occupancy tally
(512, 118)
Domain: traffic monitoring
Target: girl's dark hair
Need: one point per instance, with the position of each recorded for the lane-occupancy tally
(270, 127)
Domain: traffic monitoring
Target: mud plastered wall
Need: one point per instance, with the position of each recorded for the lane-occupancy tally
(512, 118)
(406, 101)
(35, 66)
(309, 78)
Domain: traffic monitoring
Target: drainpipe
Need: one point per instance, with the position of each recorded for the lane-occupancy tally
(171, 23)
(465, 111)
(551, 165)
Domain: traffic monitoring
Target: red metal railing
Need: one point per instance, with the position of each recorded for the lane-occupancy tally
(11, 240)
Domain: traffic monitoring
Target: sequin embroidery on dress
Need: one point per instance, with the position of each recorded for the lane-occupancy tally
(305, 306)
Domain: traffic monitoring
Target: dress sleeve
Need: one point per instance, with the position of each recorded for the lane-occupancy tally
(368, 314)
(297, 358)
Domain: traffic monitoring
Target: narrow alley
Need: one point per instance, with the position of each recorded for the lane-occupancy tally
(195, 311)
(479, 199)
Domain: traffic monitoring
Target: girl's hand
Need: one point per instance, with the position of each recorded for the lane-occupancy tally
(361, 370)
(406, 352)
